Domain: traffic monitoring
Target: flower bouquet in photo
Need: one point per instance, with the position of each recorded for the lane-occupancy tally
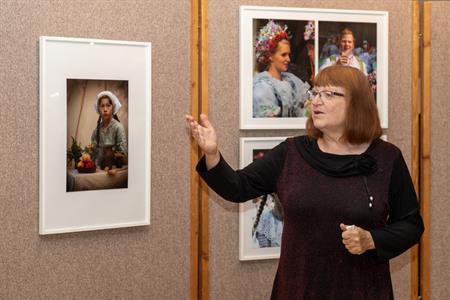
(84, 159)
(86, 164)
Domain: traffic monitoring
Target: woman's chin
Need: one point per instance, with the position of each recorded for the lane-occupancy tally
(283, 69)
(318, 123)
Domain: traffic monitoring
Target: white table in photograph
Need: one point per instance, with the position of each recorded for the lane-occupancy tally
(99, 180)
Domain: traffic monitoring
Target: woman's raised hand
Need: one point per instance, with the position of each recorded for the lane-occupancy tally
(204, 133)
(206, 138)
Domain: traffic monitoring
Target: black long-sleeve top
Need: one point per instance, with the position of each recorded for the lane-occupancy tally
(403, 226)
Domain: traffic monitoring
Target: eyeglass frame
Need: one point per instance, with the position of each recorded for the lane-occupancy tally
(313, 94)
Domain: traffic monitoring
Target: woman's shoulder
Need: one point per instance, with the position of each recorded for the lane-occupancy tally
(302, 138)
(383, 148)
(289, 75)
(261, 77)
(263, 83)
(381, 142)
(298, 141)
(294, 79)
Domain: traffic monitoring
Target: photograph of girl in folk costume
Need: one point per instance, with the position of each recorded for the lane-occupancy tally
(277, 91)
(97, 134)
(268, 220)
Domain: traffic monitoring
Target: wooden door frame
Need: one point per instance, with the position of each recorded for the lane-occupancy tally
(199, 194)
(420, 144)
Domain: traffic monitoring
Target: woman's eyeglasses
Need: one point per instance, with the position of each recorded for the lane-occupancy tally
(324, 95)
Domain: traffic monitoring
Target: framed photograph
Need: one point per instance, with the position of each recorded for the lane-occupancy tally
(282, 49)
(260, 219)
(95, 118)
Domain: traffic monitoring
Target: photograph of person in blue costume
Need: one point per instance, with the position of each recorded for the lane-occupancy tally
(276, 91)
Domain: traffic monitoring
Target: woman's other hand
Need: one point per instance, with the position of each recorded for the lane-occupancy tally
(206, 138)
(356, 240)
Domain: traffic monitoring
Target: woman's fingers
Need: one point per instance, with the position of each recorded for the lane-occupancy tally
(344, 227)
(204, 133)
(193, 125)
(205, 121)
(190, 122)
(351, 238)
(189, 119)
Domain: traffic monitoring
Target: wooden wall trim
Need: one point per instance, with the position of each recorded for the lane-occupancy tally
(420, 255)
(204, 196)
(415, 127)
(194, 180)
(199, 193)
(425, 155)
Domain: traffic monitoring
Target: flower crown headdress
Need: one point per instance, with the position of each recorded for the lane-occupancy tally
(268, 39)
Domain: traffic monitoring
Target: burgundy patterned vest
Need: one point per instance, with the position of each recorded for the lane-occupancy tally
(314, 264)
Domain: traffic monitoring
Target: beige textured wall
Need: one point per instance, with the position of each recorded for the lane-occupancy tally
(229, 278)
(150, 262)
(440, 149)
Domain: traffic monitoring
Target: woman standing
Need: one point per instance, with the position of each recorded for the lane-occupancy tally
(349, 204)
(276, 92)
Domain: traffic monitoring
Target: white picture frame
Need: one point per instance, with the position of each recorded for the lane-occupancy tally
(249, 246)
(63, 58)
(330, 19)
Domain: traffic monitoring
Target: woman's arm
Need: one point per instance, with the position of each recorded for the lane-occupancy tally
(405, 225)
(256, 179)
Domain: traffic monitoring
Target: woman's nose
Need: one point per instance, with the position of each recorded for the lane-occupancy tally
(315, 101)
